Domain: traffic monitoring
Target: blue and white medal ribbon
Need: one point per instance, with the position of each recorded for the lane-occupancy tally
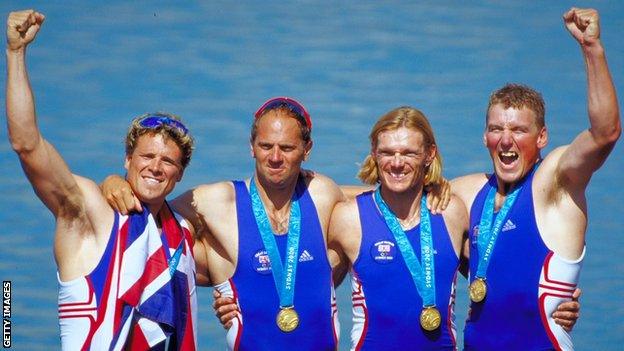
(488, 233)
(422, 275)
(284, 275)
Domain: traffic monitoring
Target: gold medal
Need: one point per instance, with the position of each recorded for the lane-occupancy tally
(430, 318)
(478, 290)
(287, 319)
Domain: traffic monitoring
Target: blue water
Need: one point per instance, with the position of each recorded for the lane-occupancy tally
(97, 64)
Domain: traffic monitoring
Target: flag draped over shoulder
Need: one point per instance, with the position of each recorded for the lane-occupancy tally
(156, 295)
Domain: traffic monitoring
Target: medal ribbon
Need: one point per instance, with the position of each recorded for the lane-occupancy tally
(423, 276)
(172, 260)
(175, 259)
(488, 233)
(283, 274)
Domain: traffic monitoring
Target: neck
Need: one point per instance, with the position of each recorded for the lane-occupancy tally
(504, 188)
(275, 198)
(154, 209)
(404, 205)
(276, 203)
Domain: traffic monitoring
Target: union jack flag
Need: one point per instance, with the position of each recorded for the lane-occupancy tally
(146, 300)
(154, 285)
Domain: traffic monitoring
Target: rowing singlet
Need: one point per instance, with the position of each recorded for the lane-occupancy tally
(91, 315)
(386, 304)
(253, 288)
(525, 283)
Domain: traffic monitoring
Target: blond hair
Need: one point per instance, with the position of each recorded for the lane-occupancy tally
(180, 136)
(407, 117)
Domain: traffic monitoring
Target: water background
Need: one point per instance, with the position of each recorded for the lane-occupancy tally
(97, 64)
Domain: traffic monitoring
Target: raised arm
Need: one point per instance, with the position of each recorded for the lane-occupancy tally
(44, 167)
(83, 219)
(591, 147)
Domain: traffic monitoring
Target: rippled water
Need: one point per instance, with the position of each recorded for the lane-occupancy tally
(97, 64)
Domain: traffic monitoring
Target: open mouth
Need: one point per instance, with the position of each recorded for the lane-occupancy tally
(397, 175)
(507, 157)
(151, 181)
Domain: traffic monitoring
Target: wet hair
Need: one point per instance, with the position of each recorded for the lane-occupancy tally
(519, 96)
(306, 132)
(407, 117)
(173, 130)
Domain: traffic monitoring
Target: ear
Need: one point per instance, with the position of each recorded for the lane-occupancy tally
(251, 150)
(433, 150)
(127, 161)
(542, 138)
(485, 138)
(307, 149)
(180, 175)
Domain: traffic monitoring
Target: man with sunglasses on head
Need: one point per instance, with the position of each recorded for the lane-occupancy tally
(262, 240)
(126, 282)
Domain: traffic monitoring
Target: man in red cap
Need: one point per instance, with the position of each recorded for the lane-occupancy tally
(262, 240)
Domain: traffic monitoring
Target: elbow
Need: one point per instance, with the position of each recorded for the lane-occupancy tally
(614, 133)
(21, 148)
(24, 146)
(608, 135)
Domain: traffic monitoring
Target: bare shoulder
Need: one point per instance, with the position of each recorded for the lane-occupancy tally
(351, 191)
(206, 197)
(81, 236)
(469, 181)
(546, 173)
(345, 217)
(324, 190)
(457, 222)
(321, 182)
(346, 210)
(456, 214)
(204, 203)
(345, 224)
(219, 192)
(466, 187)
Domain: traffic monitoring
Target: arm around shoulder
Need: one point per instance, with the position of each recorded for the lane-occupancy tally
(344, 237)
(325, 190)
(457, 223)
(204, 204)
(466, 187)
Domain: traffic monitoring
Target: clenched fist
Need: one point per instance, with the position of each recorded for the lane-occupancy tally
(22, 27)
(583, 24)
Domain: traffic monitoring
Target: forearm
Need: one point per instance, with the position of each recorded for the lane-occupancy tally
(351, 191)
(603, 107)
(20, 108)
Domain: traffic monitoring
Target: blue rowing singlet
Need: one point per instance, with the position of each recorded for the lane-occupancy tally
(525, 283)
(254, 289)
(386, 304)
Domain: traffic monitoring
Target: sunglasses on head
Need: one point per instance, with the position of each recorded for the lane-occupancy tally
(289, 103)
(156, 121)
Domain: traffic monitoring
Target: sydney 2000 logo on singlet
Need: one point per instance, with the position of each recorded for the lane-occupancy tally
(383, 251)
(261, 263)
